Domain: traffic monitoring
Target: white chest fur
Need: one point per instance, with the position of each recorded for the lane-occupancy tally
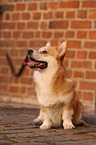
(45, 95)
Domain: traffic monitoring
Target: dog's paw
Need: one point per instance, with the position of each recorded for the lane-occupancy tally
(44, 126)
(68, 125)
(37, 121)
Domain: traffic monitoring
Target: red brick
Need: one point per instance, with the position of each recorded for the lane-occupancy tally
(92, 55)
(46, 34)
(37, 34)
(90, 44)
(76, 64)
(2, 52)
(16, 34)
(92, 35)
(69, 4)
(89, 4)
(48, 15)
(15, 80)
(82, 14)
(70, 54)
(90, 75)
(7, 17)
(44, 25)
(36, 15)
(6, 6)
(20, 7)
(69, 34)
(1, 17)
(87, 64)
(22, 52)
(74, 44)
(16, 16)
(4, 70)
(14, 52)
(14, 89)
(37, 43)
(81, 54)
(92, 14)
(43, 6)
(21, 43)
(87, 96)
(53, 5)
(6, 34)
(25, 16)
(0, 34)
(3, 88)
(81, 34)
(7, 25)
(32, 25)
(87, 85)
(59, 14)
(54, 43)
(81, 64)
(18, 61)
(32, 6)
(21, 25)
(81, 24)
(6, 43)
(58, 24)
(5, 79)
(78, 74)
(70, 14)
(25, 72)
(26, 80)
(27, 35)
(3, 61)
(23, 90)
(58, 34)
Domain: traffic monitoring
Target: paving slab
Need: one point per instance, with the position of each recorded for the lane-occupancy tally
(17, 128)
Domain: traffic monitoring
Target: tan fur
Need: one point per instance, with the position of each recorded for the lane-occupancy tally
(43, 109)
(37, 88)
(55, 91)
(59, 83)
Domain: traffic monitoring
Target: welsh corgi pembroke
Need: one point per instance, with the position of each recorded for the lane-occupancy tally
(58, 100)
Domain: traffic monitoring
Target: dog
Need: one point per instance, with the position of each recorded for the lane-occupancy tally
(56, 94)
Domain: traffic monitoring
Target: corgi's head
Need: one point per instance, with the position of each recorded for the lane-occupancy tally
(47, 56)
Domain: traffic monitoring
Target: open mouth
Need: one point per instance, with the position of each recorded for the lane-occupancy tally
(36, 64)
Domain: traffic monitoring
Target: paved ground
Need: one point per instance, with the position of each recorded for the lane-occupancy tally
(16, 128)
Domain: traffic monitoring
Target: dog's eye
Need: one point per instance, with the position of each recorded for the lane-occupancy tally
(44, 52)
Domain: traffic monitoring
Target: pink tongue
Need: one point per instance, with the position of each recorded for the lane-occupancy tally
(30, 63)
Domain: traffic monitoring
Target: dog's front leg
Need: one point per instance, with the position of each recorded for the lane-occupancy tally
(39, 120)
(67, 118)
(47, 121)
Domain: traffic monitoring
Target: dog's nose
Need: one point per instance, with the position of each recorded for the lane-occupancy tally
(30, 51)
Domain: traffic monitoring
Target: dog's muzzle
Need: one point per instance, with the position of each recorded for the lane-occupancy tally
(35, 63)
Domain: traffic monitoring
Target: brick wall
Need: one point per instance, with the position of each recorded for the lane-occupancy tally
(30, 24)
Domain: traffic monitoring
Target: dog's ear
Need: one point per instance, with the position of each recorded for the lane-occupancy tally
(62, 49)
(48, 44)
